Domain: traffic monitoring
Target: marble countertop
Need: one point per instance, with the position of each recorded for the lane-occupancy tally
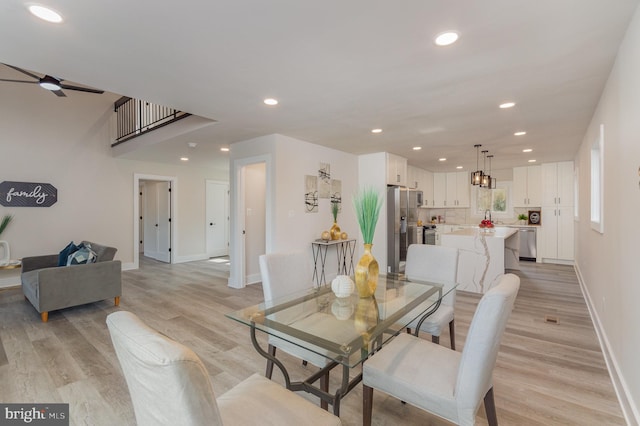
(497, 225)
(497, 232)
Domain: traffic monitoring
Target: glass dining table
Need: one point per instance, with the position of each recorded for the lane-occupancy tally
(346, 331)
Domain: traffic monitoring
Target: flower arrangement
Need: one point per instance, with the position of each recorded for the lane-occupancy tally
(367, 203)
(4, 222)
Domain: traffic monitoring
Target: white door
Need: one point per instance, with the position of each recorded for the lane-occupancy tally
(164, 222)
(217, 218)
(156, 222)
(150, 235)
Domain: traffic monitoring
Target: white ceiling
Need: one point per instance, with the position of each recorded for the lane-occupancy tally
(340, 69)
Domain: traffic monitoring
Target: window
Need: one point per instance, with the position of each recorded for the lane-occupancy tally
(597, 182)
(498, 200)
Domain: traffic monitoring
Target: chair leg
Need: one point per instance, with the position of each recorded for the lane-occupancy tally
(452, 334)
(367, 405)
(44, 316)
(435, 339)
(490, 408)
(269, 372)
(116, 301)
(324, 385)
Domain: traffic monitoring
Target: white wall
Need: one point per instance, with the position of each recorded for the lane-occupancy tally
(607, 263)
(289, 227)
(255, 218)
(66, 142)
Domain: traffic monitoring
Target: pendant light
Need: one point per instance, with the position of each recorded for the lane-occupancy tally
(485, 182)
(492, 180)
(476, 177)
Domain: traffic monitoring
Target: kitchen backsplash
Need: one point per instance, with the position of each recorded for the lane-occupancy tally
(464, 216)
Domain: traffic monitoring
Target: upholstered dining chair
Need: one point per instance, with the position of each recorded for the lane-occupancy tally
(284, 273)
(169, 385)
(446, 383)
(437, 264)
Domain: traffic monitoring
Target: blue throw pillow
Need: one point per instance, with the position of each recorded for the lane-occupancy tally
(64, 254)
(83, 255)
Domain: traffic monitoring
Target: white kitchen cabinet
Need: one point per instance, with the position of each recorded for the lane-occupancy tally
(527, 186)
(557, 212)
(413, 177)
(457, 189)
(439, 189)
(396, 170)
(557, 234)
(557, 184)
(427, 188)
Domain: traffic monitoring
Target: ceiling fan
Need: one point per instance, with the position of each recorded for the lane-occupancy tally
(50, 83)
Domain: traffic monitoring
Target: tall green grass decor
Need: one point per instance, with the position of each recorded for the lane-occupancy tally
(367, 204)
(4, 222)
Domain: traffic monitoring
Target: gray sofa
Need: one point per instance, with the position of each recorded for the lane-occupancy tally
(50, 287)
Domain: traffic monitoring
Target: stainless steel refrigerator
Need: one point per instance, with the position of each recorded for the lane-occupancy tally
(402, 225)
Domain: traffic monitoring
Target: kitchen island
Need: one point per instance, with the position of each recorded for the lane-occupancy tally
(484, 254)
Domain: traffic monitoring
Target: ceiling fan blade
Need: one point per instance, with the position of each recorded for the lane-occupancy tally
(24, 72)
(81, 89)
(18, 81)
(59, 93)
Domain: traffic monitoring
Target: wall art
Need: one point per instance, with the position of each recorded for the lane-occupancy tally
(27, 194)
(336, 193)
(311, 194)
(324, 180)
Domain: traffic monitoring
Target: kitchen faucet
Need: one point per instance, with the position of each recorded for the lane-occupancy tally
(489, 213)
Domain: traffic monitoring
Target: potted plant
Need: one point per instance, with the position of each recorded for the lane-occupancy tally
(522, 218)
(335, 229)
(367, 204)
(6, 219)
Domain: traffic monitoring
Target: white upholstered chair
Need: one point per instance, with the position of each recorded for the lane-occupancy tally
(435, 264)
(446, 383)
(169, 385)
(284, 273)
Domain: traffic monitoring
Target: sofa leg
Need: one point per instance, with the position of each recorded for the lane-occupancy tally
(44, 316)
(117, 300)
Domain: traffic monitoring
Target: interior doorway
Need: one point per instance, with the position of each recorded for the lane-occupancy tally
(217, 217)
(251, 225)
(154, 224)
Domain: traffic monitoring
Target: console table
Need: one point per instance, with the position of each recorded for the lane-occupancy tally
(345, 250)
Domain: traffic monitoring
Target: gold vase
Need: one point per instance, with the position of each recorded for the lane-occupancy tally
(366, 317)
(335, 231)
(367, 273)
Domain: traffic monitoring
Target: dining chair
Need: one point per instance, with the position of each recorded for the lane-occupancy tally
(169, 385)
(446, 383)
(437, 264)
(284, 273)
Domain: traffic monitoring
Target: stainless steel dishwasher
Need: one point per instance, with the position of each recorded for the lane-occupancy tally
(527, 244)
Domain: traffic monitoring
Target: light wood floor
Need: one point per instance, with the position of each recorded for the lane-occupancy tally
(546, 374)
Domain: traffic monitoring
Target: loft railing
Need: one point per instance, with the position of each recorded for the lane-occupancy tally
(135, 117)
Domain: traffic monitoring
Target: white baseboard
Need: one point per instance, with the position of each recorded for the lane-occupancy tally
(190, 258)
(629, 409)
(9, 282)
(254, 278)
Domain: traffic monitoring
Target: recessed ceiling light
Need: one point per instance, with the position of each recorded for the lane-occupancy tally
(45, 13)
(192, 144)
(527, 150)
(520, 133)
(376, 130)
(417, 148)
(271, 101)
(532, 161)
(459, 167)
(224, 149)
(442, 159)
(446, 38)
(184, 158)
(507, 105)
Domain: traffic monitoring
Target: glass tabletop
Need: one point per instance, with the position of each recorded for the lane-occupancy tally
(343, 329)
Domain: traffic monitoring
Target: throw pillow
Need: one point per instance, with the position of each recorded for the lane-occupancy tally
(65, 253)
(83, 255)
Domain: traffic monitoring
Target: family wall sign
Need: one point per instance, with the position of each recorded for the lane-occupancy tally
(27, 194)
